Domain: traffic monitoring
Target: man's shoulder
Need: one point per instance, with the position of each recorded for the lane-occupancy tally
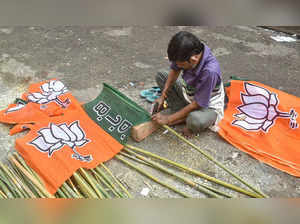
(210, 72)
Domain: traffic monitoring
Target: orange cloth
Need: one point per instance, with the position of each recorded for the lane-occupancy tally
(263, 122)
(62, 137)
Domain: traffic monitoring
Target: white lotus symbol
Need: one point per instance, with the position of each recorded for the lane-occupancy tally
(56, 136)
(259, 110)
(18, 107)
(50, 92)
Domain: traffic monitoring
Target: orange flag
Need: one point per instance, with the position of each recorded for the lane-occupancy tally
(62, 137)
(263, 122)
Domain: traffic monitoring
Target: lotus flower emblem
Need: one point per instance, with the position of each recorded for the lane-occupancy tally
(56, 137)
(50, 92)
(18, 106)
(259, 110)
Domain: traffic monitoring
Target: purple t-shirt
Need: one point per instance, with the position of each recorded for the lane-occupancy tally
(204, 78)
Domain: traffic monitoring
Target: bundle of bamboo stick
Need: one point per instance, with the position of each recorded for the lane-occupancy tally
(18, 180)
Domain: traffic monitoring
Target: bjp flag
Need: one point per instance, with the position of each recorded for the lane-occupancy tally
(263, 122)
(61, 138)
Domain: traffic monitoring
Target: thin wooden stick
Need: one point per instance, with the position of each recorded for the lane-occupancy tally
(91, 182)
(20, 183)
(69, 181)
(31, 185)
(99, 183)
(151, 177)
(209, 157)
(13, 180)
(195, 172)
(10, 183)
(116, 180)
(106, 180)
(191, 183)
(105, 183)
(33, 180)
(70, 190)
(199, 187)
(3, 195)
(5, 186)
(61, 194)
(66, 192)
(28, 168)
(24, 179)
(84, 186)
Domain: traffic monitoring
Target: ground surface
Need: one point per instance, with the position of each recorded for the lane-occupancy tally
(128, 58)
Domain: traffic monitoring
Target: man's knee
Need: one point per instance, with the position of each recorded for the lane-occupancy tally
(197, 121)
(161, 78)
(162, 74)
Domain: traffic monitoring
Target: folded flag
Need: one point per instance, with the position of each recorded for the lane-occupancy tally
(263, 122)
(62, 136)
(116, 113)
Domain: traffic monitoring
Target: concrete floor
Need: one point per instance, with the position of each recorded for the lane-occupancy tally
(128, 58)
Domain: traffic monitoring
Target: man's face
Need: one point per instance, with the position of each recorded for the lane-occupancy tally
(184, 65)
(192, 63)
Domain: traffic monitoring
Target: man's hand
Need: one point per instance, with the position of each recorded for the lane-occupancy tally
(160, 118)
(160, 102)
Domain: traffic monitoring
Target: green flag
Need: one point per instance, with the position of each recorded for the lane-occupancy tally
(116, 113)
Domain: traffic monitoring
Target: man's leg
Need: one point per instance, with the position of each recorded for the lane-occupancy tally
(175, 97)
(199, 120)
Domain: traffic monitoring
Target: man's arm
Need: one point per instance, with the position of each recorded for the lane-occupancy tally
(176, 117)
(172, 77)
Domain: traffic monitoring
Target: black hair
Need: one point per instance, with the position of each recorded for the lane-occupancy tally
(183, 45)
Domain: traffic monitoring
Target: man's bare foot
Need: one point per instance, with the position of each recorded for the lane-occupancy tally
(187, 133)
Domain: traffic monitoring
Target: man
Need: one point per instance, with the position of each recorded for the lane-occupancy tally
(198, 99)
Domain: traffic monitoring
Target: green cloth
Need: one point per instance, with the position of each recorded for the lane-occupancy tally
(227, 84)
(116, 113)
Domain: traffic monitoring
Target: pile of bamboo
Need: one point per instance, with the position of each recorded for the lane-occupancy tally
(18, 180)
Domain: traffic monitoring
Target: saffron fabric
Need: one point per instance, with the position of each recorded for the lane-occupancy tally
(263, 122)
(61, 138)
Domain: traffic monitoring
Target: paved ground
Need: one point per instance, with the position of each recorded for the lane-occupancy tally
(128, 58)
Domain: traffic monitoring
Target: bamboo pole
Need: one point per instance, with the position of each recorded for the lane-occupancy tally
(106, 180)
(33, 180)
(116, 180)
(4, 185)
(30, 184)
(106, 187)
(69, 181)
(20, 159)
(32, 188)
(20, 182)
(151, 177)
(99, 182)
(10, 184)
(90, 180)
(24, 182)
(3, 196)
(195, 172)
(70, 190)
(191, 183)
(27, 182)
(60, 194)
(106, 184)
(13, 180)
(66, 192)
(199, 187)
(209, 157)
(84, 186)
